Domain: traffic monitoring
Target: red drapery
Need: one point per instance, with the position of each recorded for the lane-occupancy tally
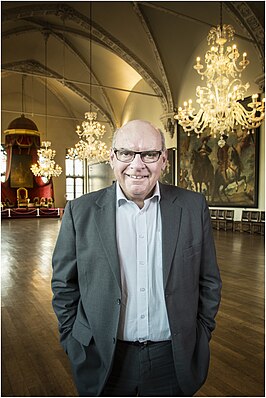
(24, 144)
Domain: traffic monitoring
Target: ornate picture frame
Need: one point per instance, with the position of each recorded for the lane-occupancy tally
(228, 176)
(169, 174)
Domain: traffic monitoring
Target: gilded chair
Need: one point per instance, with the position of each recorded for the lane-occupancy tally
(43, 202)
(36, 201)
(22, 197)
(50, 202)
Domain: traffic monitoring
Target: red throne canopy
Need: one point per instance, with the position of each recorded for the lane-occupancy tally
(22, 140)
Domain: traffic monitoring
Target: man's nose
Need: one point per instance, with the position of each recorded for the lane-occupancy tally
(137, 162)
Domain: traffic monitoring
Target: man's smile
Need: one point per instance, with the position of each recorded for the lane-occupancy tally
(136, 177)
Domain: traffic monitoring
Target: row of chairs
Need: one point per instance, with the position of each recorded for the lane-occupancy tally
(42, 202)
(222, 219)
(252, 221)
(36, 202)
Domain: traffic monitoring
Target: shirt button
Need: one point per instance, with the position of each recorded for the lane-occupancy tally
(142, 289)
(118, 301)
(141, 263)
(141, 236)
(142, 316)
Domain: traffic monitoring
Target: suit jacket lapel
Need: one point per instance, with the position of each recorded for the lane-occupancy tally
(105, 221)
(171, 215)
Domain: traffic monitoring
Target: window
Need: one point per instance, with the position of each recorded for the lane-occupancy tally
(74, 178)
(3, 163)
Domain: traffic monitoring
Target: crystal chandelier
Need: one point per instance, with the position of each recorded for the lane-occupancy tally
(90, 146)
(90, 126)
(220, 109)
(45, 166)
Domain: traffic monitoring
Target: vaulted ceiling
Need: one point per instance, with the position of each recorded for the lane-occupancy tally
(99, 53)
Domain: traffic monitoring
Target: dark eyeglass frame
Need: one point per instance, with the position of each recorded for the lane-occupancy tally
(141, 153)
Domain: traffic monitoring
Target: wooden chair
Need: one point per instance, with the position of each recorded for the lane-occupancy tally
(227, 223)
(213, 217)
(22, 197)
(254, 219)
(245, 221)
(259, 226)
(229, 220)
(262, 222)
(220, 218)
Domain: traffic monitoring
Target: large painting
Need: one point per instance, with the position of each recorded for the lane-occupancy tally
(227, 176)
(21, 175)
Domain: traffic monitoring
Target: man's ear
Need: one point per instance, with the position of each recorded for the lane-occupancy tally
(164, 158)
(112, 154)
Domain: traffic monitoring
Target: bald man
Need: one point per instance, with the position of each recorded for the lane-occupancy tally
(136, 286)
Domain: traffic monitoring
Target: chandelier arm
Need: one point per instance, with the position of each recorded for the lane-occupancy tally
(248, 118)
(236, 90)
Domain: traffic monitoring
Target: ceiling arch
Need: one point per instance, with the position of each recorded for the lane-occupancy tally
(66, 12)
(157, 55)
(132, 42)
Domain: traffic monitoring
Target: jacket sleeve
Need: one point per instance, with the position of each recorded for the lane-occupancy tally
(210, 283)
(65, 285)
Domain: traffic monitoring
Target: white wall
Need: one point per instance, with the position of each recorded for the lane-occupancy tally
(146, 108)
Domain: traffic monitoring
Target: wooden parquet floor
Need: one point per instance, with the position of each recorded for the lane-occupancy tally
(33, 363)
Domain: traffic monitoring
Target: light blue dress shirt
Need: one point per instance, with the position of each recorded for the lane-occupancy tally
(139, 241)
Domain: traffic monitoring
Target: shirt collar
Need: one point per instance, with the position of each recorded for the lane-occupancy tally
(120, 197)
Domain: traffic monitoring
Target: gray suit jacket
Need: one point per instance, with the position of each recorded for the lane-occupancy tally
(87, 290)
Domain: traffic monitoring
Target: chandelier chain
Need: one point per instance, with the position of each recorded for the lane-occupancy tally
(90, 147)
(46, 166)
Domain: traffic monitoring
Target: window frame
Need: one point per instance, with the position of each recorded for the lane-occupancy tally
(72, 174)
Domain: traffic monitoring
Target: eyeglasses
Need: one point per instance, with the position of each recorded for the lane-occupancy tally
(126, 156)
